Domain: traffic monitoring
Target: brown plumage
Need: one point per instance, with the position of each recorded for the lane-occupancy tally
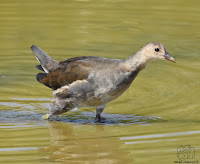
(89, 81)
(68, 71)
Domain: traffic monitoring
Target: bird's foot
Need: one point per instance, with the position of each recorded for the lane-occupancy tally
(99, 119)
(45, 117)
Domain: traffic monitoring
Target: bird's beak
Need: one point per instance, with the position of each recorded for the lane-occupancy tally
(169, 57)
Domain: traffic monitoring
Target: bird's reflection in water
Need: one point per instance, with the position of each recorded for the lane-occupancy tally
(84, 143)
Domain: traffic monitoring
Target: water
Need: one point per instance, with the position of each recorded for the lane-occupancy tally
(147, 124)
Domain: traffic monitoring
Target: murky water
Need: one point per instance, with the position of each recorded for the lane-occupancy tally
(148, 124)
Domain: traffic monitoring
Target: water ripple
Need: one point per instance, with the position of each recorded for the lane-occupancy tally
(160, 135)
(28, 99)
(18, 149)
(107, 119)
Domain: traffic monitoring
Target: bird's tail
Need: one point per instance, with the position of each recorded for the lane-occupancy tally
(47, 64)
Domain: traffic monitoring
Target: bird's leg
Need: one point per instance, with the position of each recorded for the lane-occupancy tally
(99, 110)
(98, 118)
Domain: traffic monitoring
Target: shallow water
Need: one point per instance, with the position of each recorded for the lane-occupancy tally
(149, 123)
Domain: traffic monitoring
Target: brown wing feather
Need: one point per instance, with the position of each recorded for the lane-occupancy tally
(69, 71)
(81, 58)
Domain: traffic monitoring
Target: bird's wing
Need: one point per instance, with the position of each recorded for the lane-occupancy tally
(69, 71)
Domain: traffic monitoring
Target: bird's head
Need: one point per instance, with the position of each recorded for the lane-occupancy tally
(155, 50)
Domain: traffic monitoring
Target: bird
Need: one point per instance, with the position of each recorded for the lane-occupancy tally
(90, 81)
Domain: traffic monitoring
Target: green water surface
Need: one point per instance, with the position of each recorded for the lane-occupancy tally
(147, 124)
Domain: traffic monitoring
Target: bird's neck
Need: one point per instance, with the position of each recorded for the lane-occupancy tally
(138, 61)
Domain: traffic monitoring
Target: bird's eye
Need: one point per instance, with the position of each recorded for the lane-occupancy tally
(157, 49)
